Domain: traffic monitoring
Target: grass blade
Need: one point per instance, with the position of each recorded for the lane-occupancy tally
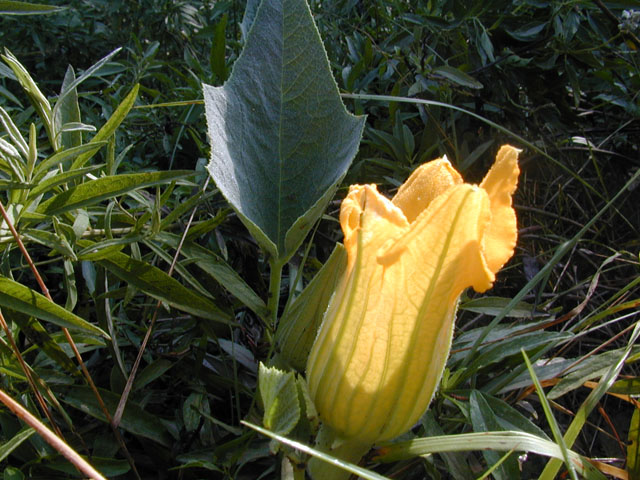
(349, 467)
(555, 429)
(591, 401)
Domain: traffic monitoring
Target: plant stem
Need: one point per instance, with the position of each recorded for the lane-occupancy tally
(275, 279)
(327, 441)
(50, 437)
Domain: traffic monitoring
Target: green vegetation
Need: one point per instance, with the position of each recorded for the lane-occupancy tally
(136, 305)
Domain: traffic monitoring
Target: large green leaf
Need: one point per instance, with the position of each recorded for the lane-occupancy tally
(18, 297)
(281, 139)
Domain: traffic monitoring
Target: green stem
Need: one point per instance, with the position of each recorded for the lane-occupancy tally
(350, 451)
(275, 278)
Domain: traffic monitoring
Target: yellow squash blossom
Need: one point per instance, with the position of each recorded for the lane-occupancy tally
(386, 334)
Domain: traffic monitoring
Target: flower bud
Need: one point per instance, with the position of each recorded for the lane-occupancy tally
(386, 335)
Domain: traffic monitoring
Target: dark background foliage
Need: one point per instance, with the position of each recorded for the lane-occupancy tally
(562, 75)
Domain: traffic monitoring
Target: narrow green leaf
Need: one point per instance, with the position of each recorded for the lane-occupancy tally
(23, 299)
(633, 445)
(51, 240)
(9, 446)
(626, 386)
(18, 140)
(191, 408)
(11, 162)
(580, 418)
(134, 420)
(156, 283)
(484, 419)
(495, 305)
(152, 371)
(62, 178)
(457, 465)
(215, 266)
(591, 367)
(218, 50)
(347, 466)
(458, 76)
(528, 32)
(43, 167)
(38, 100)
(66, 111)
(69, 87)
(509, 418)
(109, 467)
(281, 138)
(553, 424)
(9, 185)
(94, 191)
(109, 128)
(9, 7)
(39, 336)
(494, 353)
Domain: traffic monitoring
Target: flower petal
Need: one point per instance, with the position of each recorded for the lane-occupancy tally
(423, 185)
(502, 232)
(367, 218)
(380, 354)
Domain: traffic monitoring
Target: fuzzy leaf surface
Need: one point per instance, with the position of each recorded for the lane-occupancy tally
(281, 139)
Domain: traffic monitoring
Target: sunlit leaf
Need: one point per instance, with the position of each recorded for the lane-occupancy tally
(281, 139)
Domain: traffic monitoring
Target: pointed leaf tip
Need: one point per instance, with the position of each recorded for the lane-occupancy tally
(281, 138)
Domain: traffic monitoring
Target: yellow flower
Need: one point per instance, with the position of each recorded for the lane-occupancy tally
(386, 334)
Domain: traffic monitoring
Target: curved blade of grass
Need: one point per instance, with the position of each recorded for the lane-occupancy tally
(18, 297)
(501, 441)
(591, 401)
(500, 128)
(555, 429)
(349, 467)
(95, 191)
